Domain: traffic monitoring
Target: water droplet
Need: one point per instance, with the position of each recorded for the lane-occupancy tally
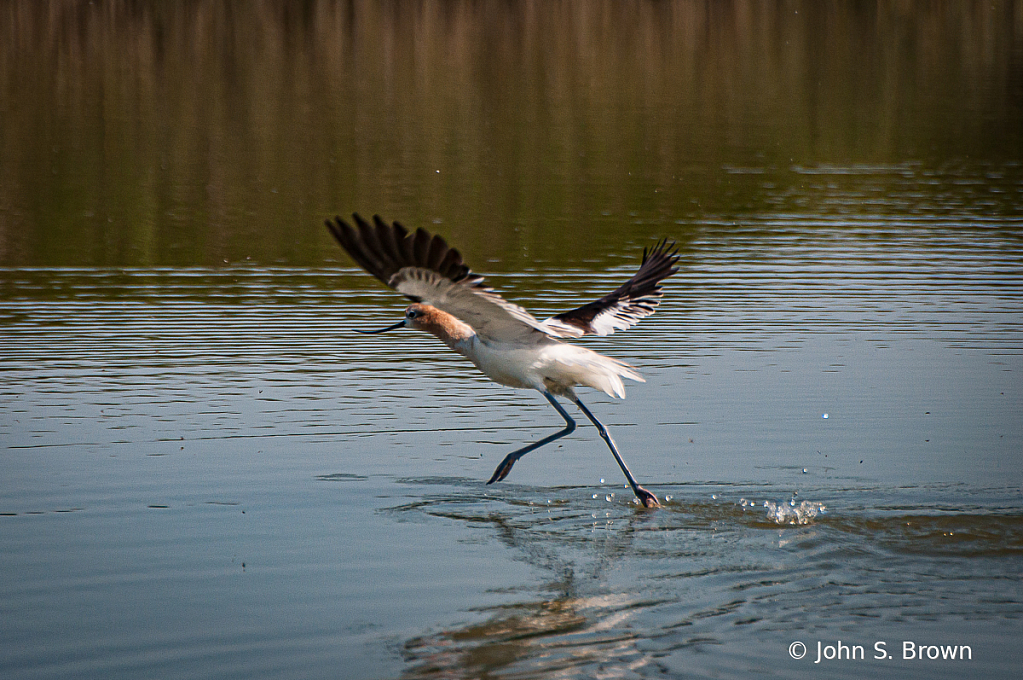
(601, 480)
(667, 497)
(714, 496)
(804, 471)
(607, 498)
(594, 496)
(825, 416)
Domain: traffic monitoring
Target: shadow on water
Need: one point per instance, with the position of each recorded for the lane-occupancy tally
(645, 592)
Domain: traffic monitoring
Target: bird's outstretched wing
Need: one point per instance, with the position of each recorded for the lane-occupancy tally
(382, 249)
(425, 269)
(636, 298)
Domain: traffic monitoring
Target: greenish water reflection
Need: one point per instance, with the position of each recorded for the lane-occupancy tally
(193, 133)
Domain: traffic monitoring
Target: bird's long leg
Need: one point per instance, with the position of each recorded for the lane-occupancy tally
(645, 497)
(506, 465)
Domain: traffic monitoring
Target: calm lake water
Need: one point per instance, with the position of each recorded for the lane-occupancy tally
(206, 473)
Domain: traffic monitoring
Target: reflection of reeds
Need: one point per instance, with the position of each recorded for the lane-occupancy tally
(227, 120)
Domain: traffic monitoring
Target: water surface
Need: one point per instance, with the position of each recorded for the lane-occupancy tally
(205, 468)
(205, 473)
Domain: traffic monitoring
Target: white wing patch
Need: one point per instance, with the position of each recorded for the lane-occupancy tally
(559, 329)
(619, 317)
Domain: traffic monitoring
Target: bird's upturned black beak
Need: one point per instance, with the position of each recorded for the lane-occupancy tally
(382, 330)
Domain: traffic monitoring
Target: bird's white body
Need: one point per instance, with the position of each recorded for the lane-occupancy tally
(526, 360)
(546, 364)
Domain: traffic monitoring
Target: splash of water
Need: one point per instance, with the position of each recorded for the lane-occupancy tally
(790, 513)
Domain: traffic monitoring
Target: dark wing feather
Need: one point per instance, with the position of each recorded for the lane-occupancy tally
(425, 269)
(620, 309)
(384, 249)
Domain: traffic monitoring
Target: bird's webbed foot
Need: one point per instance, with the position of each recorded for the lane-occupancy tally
(504, 468)
(646, 498)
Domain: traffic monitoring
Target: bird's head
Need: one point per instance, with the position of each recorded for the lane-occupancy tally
(414, 318)
(423, 317)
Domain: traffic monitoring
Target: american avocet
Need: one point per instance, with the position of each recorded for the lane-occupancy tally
(507, 343)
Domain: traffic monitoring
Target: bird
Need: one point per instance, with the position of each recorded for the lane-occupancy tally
(504, 341)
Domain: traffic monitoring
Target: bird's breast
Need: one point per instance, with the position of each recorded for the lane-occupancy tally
(512, 365)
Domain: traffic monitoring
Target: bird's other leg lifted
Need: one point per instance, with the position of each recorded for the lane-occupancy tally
(506, 465)
(645, 497)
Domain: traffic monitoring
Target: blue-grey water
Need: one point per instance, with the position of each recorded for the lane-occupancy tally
(206, 473)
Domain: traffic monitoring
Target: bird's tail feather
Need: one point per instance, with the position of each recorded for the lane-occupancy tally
(600, 372)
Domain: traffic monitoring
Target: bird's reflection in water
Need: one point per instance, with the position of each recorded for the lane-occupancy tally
(551, 635)
(579, 626)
